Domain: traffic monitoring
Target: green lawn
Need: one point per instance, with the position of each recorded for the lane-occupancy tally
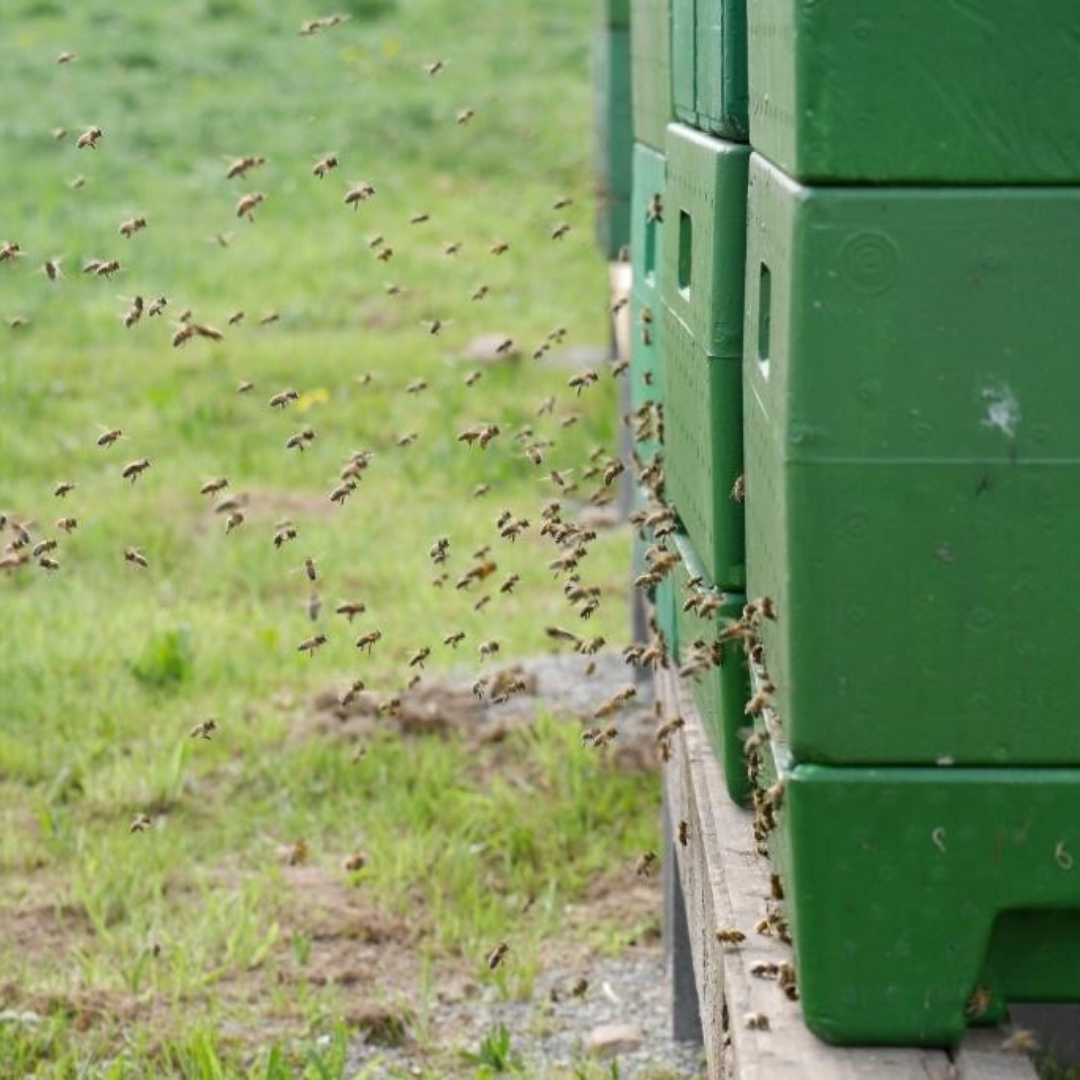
(185, 949)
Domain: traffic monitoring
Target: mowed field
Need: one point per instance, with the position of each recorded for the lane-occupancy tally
(192, 947)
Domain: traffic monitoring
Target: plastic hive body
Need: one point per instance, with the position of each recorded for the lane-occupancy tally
(978, 91)
(709, 66)
(614, 138)
(650, 61)
(912, 454)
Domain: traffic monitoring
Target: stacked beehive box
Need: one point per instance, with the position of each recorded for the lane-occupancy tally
(872, 300)
(614, 127)
(910, 454)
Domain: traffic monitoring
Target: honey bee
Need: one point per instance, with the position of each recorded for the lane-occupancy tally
(43, 547)
(157, 307)
(534, 455)
(473, 378)
(324, 165)
(283, 533)
(133, 469)
(184, 333)
(646, 864)
(77, 182)
(314, 606)
(354, 863)
(481, 603)
(67, 524)
(756, 1021)
(417, 659)
(1021, 1041)
(102, 267)
(268, 318)
(765, 969)
(479, 292)
(280, 400)
(562, 202)
(500, 247)
(454, 639)
(480, 490)
(408, 439)
(359, 193)
(366, 641)
(222, 239)
(212, 487)
(136, 558)
(738, 490)
(242, 165)
(67, 58)
(452, 248)
(59, 133)
(131, 226)
(48, 564)
(479, 686)
(309, 645)
(234, 521)
(134, 313)
(579, 382)
(350, 695)
(756, 705)
(435, 67)
(51, 268)
(612, 471)
(465, 115)
(293, 854)
(581, 985)
(540, 351)
(247, 204)
(204, 729)
(655, 211)
(560, 231)
(89, 138)
(342, 491)
(684, 833)
(729, 936)
(300, 439)
(10, 249)
(63, 488)
(620, 368)
(488, 649)
(235, 318)
(385, 255)
(619, 304)
(419, 219)
(140, 823)
(978, 1002)
(507, 586)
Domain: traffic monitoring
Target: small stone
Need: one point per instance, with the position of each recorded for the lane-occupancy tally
(611, 1040)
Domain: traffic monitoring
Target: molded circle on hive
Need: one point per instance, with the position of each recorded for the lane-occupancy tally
(869, 262)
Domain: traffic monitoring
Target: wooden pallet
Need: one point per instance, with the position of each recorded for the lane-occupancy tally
(725, 882)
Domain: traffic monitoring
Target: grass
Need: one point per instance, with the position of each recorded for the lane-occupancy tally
(183, 950)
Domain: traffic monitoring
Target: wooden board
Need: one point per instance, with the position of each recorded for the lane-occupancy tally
(725, 884)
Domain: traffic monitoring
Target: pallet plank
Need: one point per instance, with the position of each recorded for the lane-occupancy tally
(726, 883)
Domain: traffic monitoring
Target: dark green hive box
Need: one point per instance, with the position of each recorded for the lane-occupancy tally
(709, 65)
(701, 283)
(614, 139)
(665, 611)
(615, 13)
(646, 233)
(921, 900)
(650, 63)
(912, 468)
(721, 693)
(983, 91)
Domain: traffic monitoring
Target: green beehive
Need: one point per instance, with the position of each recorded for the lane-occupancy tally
(709, 66)
(701, 284)
(912, 458)
(984, 91)
(923, 899)
(720, 691)
(650, 64)
(646, 232)
(614, 139)
(665, 610)
(615, 13)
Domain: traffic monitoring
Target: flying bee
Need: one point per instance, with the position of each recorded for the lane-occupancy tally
(140, 823)
(738, 490)
(77, 182)
(621, 367)
(309, 645)
(51, 268)
(480, 490)
(465, 115)
(500, 247)
(562, 202)
(351, 693)
(473, 378)
(184, 333)
(417, 659)
(10, 249)
(67, 58)
(314, 606)
(222, 239)
(67, 524)
(134, 313)
(133, 469)
(234, 521)
(354, 863)
(435, 67)
(280, 400)
(283, 534)
(311, 568)
(204, 729)
(136, 558)
(324, 165)
(646, 864)
(497, 955)
(89, 138)
(366, 641)
(560, 230)
(488, 649)
(419, 219)
(268, 318)
(235, 318)
(359, 193)
(479, 292)
(300, 439)
(385, 255)
(212, 487)
(43, 547)
(157, 307)
(131, 226)
(63, 488)
(669, 729)
(242, 165)
(1020, 1041)
(452, 248)
(534, 455)
(342, 491)
(454, 639)
(417, 386)
(350, 609)
(507, 587)
(247, 204)
(612, 471)
(407, 439)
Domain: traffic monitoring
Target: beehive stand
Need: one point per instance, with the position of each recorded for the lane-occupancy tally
(724, 883)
